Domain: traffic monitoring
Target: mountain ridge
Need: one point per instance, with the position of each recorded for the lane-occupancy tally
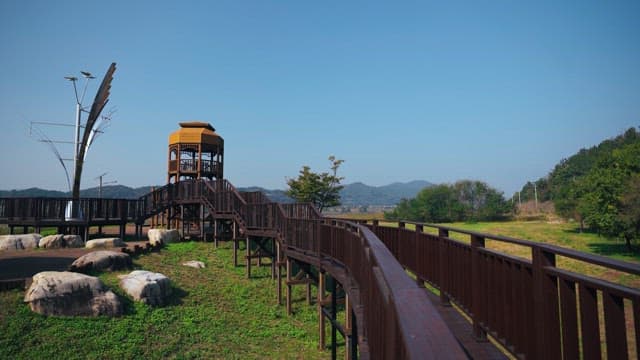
(353, 194)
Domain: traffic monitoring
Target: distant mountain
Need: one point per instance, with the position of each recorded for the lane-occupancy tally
(108, 192)
(351, 195)
(32, 192)
(362, 194)
(273, 195)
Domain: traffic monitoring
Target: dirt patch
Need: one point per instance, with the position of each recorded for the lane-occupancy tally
(26, 263)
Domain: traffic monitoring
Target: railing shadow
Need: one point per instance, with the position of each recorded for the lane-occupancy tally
(615, 248)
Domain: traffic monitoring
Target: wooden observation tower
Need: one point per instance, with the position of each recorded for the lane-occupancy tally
(196, 152)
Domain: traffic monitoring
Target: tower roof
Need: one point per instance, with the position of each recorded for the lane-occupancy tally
(195, 132)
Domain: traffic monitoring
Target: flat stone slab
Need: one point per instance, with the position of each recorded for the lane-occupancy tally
(194, 264)
(19, 242)
(73, 241)
(104, 243)
(146, 286)
(163, 236)
(102, 260)
(66, 293)
(52, 241)
(58, 241)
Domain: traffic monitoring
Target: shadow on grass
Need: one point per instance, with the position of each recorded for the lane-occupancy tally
(576, 230)
(613, 248)
(176, 297)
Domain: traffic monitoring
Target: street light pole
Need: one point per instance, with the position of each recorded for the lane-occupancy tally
(76, 148)
(71, 211)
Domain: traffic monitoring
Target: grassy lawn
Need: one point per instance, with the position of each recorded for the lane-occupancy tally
(214, 313)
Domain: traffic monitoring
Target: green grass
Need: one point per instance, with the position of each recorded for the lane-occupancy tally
(214, 313)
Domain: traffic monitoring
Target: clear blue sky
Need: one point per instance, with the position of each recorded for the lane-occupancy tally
(497, 92)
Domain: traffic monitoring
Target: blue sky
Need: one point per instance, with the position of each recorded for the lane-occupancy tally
(498, 92)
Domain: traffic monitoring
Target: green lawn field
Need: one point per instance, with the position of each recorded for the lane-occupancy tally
(214, 313)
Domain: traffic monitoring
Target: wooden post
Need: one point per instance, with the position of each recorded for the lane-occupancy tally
(308, 289)
(419, 230)
(248, 256)
(334, 310)
(477, 288)
(273, 258)
(278, 273)
(321, 319)
(235, 251)
(442, 249)
(545, 306)
(347, 327)
(288, 279)
(202, 233)
(354, 336)
(215, 238)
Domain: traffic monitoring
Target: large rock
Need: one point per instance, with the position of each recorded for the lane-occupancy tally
(194, 264)
(73, 241)
(102, 260)
(52, 241)
(19, 242)
(163, 236)
(149, 287)
(70, 294)
(104, 243)
(60, 241)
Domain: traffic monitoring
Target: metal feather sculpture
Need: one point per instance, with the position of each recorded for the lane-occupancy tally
(90, 129)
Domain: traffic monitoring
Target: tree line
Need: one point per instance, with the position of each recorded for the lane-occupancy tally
(466, 200)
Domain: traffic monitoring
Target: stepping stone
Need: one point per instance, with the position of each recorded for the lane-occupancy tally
(146, 286)
(194, 264)
(104, 243)
(163, 236)
(66, 293)
(102, 260)
(19, 242)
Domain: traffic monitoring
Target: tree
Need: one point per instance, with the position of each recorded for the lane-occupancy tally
(466, 200)
(322, 190)
(630, 214)
(610, 202)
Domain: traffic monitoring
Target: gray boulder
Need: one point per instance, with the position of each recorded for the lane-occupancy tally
(19, 242)
(73, 241)
(104, 243)
(71, 294)
(194, 264)
(52, 242)
(149, 287)
(102, 260)
(163, 236)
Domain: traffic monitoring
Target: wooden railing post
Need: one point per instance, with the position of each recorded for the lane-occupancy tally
(442, 250)
(545, 306)
(419, 230)
(321, 319)
(478, 285)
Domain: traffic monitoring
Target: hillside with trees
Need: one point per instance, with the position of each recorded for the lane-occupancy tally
(466, 200)
(598, 187)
